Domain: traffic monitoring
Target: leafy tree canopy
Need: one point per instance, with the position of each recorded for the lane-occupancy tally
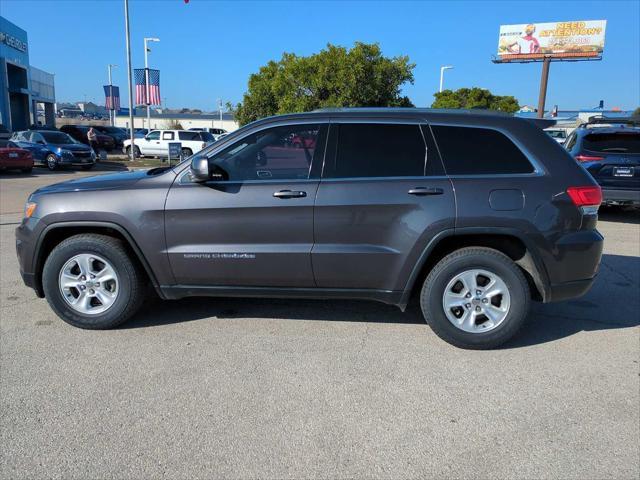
(636, 112)
(475, 98)
(334, 77)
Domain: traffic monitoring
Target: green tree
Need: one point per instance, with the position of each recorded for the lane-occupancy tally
(474, 98)
(334, 77)
(636, 112)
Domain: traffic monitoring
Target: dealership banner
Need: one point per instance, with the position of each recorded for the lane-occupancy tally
(571, 40)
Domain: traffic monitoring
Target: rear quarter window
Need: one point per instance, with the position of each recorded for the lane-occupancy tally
(479, 151)
(189, 135)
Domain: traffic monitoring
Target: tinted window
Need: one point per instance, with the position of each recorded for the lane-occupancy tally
(378, 150)
(479, 151)
(207, 137)
(276, 153)
(616, 142)
(189, 136)
(155, 135)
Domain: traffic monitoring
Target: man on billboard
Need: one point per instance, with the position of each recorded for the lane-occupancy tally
(527, 43)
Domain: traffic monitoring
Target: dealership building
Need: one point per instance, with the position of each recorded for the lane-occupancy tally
(27, 94)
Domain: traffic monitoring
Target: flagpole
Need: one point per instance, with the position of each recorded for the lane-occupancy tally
(130, 82)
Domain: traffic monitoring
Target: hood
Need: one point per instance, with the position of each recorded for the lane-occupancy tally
(73, 147)
(101, 182)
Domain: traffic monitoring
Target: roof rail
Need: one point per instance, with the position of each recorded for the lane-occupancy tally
(619, 120)
(474, 111)
(605, 121)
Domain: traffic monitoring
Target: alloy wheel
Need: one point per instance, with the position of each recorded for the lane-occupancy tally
(476, 301)
(88, 283)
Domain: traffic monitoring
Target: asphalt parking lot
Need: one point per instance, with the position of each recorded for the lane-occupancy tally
(246, 388)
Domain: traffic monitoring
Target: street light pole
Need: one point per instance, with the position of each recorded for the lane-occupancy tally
(220, 109)
(442, 69)
(111, 110)
(146, 76)
(129, 79)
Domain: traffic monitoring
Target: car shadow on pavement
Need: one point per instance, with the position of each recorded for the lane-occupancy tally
(619, 215)
(612, 303)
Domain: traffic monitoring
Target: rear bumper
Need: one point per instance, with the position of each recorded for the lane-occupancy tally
(614, 196)
(569, 290)
(17, 163)
(574, 266)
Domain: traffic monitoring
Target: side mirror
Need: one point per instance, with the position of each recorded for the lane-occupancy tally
(200, 169)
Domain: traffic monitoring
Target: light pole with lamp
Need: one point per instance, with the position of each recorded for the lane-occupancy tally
(111, 110)
(146, 76)
(442, 69)
(129, 79)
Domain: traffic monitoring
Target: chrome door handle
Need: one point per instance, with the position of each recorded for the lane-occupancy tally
(426, 191)
(290, 194)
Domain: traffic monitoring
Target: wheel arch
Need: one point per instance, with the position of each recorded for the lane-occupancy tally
(57, 232)
(511, 242)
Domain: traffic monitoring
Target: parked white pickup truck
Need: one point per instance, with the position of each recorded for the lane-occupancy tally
(156, 143)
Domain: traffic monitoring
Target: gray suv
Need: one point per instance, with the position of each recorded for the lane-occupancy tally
(475, 213)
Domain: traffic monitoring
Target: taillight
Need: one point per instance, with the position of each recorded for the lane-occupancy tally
(588, 158)
(588, 199)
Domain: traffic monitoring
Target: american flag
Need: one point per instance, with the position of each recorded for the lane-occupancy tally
(141, 89)
(112, 95)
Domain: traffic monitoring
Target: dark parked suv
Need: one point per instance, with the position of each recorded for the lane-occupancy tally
(476, 213)
(609, 148)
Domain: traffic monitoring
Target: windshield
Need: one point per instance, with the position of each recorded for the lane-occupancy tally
(58, 138)
(557, 133)
(618, 142)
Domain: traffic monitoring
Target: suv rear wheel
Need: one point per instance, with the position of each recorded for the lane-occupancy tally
(475, 298)
(91, 282)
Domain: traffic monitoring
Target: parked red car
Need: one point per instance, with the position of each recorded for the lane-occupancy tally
(14, 157)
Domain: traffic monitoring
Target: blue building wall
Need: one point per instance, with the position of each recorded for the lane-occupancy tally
(17, 80)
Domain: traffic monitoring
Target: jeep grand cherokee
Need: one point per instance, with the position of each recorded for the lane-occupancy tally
(476, 213)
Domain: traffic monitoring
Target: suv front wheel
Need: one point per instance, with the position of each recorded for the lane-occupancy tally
(91, 282)
(475, 298)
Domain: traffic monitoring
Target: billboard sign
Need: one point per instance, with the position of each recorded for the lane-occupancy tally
(557, 40)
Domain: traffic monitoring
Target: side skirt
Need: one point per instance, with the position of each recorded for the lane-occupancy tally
(175, 292)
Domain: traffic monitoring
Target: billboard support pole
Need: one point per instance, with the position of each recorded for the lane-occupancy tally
(543, 86)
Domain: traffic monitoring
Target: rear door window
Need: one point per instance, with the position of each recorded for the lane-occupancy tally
(167, 135)
(378, 150)
(616, 142)
(479, 151)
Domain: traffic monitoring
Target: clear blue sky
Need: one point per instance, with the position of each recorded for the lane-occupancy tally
(209, 48)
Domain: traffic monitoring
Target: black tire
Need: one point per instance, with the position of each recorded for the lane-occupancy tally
(88, 167)
(433, 289)
(136, 151)
(186, 152)
(131, 288)
(52, 162)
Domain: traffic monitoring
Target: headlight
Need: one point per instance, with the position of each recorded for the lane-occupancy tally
(29, 208)
(66, 153)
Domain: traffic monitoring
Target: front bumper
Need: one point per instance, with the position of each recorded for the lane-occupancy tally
(27, 234)
(614, 196)
(75, 161)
